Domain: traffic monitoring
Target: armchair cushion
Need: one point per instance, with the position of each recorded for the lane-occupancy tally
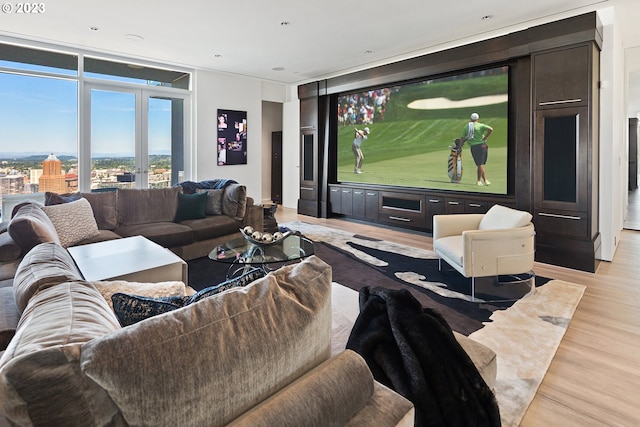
(451, 248)
(501, 217)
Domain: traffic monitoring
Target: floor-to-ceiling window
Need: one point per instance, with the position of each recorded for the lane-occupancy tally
(38, 121)
(73, 122)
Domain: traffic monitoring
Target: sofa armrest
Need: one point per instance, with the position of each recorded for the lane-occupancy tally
(502, 251)
(254, 217)
(330, 394)
(10, 250)
(455, 224)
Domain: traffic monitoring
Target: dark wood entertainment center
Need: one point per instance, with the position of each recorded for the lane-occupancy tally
(553, 137)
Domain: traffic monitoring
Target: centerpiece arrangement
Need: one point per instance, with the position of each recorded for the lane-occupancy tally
(261, 238)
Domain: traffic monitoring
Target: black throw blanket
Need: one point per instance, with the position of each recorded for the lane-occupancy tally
(413, 351)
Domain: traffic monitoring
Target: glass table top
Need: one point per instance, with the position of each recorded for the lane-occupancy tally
(242, 251)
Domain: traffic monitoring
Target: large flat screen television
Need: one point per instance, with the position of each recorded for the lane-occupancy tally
(413, 129)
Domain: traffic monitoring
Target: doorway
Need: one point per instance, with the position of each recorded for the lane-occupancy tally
(632, 216)
(136, 138)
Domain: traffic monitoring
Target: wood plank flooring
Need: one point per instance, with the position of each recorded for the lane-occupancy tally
(594, 379)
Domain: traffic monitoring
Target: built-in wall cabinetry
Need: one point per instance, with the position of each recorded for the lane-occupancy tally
(407, 209)
(565, 146)
(553, 142)
(308, 202)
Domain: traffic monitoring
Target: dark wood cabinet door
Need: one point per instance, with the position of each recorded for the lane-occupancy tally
(309, 113)
(359, 203)
(562, 77)
(335, 200)
(347, 200)
(435, 206)
(372, 205)
(454, 205)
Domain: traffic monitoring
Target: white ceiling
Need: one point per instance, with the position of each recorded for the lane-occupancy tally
(319, 39)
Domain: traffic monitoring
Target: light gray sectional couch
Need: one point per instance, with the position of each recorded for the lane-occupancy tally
(259, 355)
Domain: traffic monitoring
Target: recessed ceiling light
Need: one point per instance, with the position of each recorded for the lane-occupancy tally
(134, 37)
(486, 17)
(278, 68)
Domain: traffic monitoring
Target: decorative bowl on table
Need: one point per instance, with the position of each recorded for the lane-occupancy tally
(261, 238)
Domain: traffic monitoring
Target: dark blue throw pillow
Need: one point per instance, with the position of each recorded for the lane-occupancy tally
(131, 309)
(240, 281)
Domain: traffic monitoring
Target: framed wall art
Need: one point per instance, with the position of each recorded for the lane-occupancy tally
(232, 137)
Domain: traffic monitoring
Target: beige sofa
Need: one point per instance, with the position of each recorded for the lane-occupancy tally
(253, 356)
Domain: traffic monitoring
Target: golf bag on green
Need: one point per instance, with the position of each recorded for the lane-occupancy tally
(455, 161)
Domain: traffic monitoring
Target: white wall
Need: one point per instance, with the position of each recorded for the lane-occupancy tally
(291, 149)
(614, 150)
(229, 92)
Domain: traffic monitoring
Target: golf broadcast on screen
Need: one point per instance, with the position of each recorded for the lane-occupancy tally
(448, 133)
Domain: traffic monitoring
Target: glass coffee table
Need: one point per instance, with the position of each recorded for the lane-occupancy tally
(242, 255)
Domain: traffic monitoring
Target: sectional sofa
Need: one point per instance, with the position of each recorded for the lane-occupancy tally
(189, 222)
(259, 355)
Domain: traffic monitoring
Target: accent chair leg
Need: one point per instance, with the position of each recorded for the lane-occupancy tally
(473, 289)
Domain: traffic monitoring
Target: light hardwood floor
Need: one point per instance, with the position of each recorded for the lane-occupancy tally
(594, 379)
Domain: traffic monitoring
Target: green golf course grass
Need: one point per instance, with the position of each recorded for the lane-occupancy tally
(432, 171)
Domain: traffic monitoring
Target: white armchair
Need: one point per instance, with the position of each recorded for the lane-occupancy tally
(500, 242)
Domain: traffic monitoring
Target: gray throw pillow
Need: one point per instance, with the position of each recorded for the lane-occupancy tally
(214, 201)
(234, 201)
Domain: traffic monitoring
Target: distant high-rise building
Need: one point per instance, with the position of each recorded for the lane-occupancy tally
(11, 184)
(52, 178)
(34, 175)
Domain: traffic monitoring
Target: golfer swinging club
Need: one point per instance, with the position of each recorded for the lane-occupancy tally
(477, 133)
(359, 138)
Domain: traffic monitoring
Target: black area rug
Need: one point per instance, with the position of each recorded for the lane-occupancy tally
(462, 315)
